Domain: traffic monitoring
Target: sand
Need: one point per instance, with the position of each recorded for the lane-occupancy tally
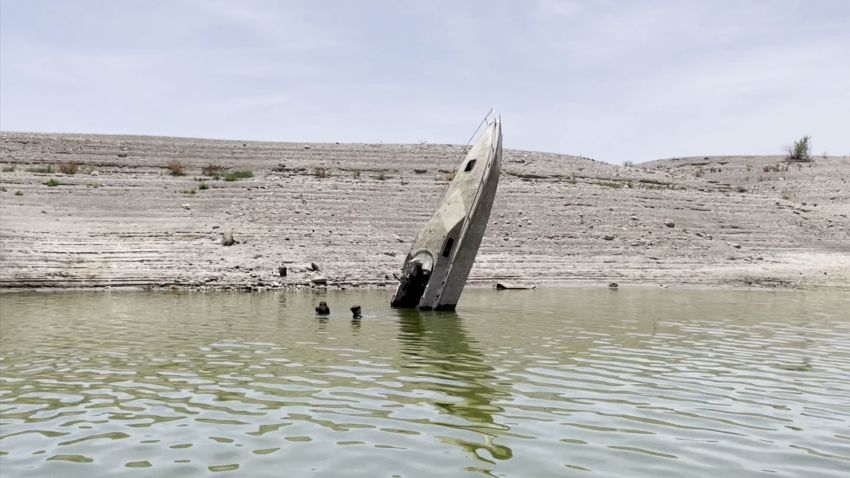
(353, 209)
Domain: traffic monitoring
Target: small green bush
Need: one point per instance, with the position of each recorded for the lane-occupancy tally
(8, 169)
(236, 175)
(203, 186)
(42, 169)
(52, 182)
(18, 193)
(800, 150)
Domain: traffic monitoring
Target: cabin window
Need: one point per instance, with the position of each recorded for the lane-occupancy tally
(448, 249)
(469, 165)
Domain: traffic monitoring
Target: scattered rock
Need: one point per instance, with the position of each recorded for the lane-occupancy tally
(420, 171)
(512, 286)
(94, 173)
(228, 240)
(613, 285)
(314, 267)
(281, 271)
(186, 206)
(319, 280)
(323, 308)
(609, 237)
(736, 246)
(669, 223)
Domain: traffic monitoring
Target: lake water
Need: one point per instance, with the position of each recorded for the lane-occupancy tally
(559, 382)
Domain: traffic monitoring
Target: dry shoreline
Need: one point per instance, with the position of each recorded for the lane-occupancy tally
(352, 209)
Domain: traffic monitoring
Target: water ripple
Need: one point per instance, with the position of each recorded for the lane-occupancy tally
(637, 383)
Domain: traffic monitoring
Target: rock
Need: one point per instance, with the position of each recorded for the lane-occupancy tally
(94, 173)
(512, 286)
(390, 253)
(609, 237)
(356, 312)
(314, 267)
(186, 206)
(323, 308)
(228, 240)
(669, 223)
(613, 285)
(736, 246)
(397, 238)
(633, 218)
(281, 271)
(420, 171)
(319, 280)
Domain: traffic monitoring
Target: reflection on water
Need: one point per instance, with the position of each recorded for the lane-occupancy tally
(525, 383)
(441, 353)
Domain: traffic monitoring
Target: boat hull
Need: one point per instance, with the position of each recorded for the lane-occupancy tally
(438, 264)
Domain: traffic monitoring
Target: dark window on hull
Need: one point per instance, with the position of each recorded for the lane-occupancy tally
(469, 165)
(448, 249)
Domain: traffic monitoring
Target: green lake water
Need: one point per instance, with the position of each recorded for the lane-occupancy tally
(557, 382)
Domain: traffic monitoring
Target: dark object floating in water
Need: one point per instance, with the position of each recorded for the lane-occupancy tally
(356, 312)
(323, 308)
(613, 285)
(511, 286)
(436, 268)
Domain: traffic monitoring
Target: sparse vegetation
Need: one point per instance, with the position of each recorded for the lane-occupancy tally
(629, 164)
(699, 172)
(237, 175)
(321, 173)
(8, 169)
(52, 182)
(42, 169)
(355, 174)
(189, 191)
(774, 168)
(18, 193)
(447, 176)
(176, 168)
(800, 150)
(71, 167)
(381, 176)
(203, 186)
(212, 170)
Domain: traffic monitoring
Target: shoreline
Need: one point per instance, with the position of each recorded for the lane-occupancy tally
(352, 210)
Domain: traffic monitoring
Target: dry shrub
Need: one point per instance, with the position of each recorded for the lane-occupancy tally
(212, 170)
(71, 167)
(699, 172)
(176, 168)
(321, 173)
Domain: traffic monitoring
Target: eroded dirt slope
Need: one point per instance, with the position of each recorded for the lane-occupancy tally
(123, 220)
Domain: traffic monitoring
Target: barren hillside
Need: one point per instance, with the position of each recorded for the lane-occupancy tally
(123, 220)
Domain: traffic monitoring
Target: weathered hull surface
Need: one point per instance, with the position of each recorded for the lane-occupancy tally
(437, 266)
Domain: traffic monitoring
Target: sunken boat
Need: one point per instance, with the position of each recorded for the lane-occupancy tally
(436, 268)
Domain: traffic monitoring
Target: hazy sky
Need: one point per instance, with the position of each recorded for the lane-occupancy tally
(613, 80)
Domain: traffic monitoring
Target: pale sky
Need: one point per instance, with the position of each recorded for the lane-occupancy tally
(612, 80)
